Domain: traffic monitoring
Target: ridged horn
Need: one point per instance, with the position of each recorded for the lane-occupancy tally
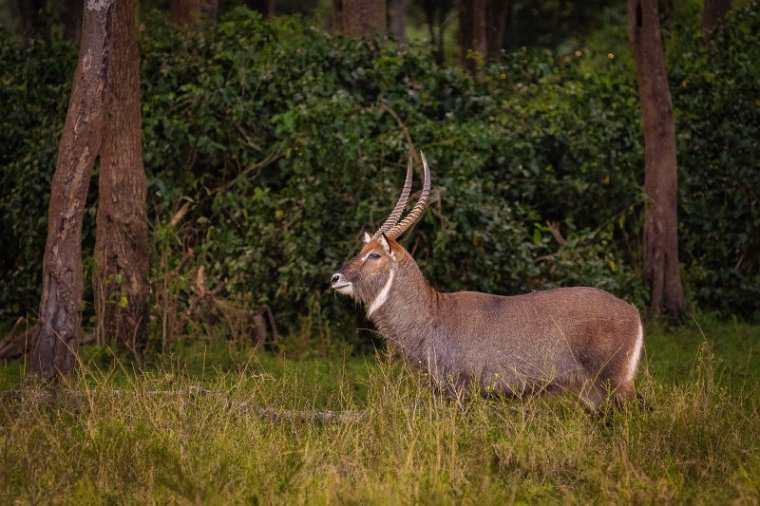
(395, 215)
(418, 208)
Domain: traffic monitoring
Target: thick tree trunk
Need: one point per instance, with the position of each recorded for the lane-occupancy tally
(120, 278)
(360, 18)
(184, 13)
(661, 179)
(472, 33)
(56, 341)
(713, 12)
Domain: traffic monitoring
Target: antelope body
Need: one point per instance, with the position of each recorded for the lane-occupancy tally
(583, 340)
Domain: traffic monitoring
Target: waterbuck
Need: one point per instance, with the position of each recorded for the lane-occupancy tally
(583, 340)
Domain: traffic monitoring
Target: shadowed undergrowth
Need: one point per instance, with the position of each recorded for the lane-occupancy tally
(192, 430)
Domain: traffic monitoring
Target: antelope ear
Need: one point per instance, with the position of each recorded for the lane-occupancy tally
(384, 243)
(367, 238)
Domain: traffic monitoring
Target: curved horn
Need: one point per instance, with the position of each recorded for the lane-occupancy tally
(395, 215)
(419, 207)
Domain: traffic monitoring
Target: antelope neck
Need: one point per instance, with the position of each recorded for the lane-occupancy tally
(382, 296)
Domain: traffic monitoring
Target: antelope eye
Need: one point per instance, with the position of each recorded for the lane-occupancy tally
(373, 256)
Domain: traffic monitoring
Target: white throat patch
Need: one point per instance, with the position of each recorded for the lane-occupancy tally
(382, 296)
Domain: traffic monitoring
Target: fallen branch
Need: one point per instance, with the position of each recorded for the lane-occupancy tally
(554, 229)
(256, 167)
(242, 322)
(17, 342)
(79, 400)
(387, 108)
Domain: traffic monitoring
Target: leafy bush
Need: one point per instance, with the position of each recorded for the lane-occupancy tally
(34, 90)
(715, 92)
(503, 164)
(276, 136)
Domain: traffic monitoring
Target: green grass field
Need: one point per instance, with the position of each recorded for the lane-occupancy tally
(221, 425)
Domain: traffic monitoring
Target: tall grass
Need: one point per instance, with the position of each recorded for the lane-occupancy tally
(190, 430)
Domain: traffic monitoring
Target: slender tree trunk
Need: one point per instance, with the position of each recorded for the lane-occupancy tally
(184, 13)
(472, 33)
(496, 22)
(435, 12)
(72, 18)
(713, 12)
(661, 268)
(336, 17)
(60, 315)
(430, 18)
(399, 19)
(360, 18)
(120, 278)
(440, 49)
(30, 21)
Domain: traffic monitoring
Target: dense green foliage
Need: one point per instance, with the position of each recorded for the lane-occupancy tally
(276, 136)
(226, 426)
(717, 100)
(34, 87)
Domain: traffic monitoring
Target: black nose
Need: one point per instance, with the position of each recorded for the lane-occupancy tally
(335, 278)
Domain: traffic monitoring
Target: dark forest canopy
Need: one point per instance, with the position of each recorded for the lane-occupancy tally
(269, 139)
(546, 23)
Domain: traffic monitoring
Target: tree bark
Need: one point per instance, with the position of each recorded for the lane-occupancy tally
(185, 13)
(30, 21)
(661, 268)
(56, 343)
(713, 12)
(472, 33)
(496, 22)
(360, 18)
(435, 12)
(120, 278)
(399, 20)
(72, 18)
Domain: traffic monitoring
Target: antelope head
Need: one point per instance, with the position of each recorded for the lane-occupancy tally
(369, 275)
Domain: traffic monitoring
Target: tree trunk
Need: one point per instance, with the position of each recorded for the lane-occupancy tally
(472, 33)
(430, 11)
(72, 18)
(435, 12)
(359, 18)
(185, 13)
(713, 12)
(661, 268)
(496, 22)
(264, 7)
(60, 314)
(120, 278)
(30, 21)
(399, 20)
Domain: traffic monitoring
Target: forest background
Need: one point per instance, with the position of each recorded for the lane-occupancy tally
(268, 149)
(270, 143)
